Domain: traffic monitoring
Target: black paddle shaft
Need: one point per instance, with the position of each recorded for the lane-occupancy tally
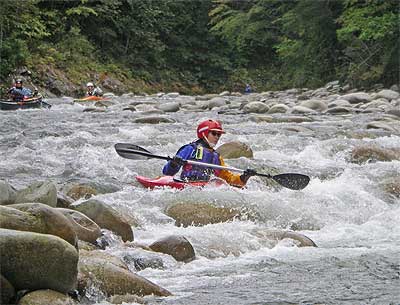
(292, 181)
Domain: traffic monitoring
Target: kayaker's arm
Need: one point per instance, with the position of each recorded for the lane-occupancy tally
(232, 179)
(184, 153)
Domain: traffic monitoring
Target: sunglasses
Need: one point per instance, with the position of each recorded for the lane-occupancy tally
(216, 134)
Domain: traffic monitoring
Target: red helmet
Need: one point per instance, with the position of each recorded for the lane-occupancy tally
(205, 127)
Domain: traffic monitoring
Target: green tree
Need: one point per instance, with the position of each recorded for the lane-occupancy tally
(370, 36)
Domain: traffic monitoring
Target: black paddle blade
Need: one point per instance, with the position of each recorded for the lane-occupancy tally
(130, 151)
(292, 181)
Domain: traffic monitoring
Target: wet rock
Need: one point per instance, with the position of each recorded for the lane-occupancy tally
(278, 108)
(255, 107)
(33, 261)
(46, 297)
(302, 110)
(280, 119)
(43, 192)
(106, 217)
(39, 218)
(357, 97)
(176, 246)
(388, 94)
(339, 110)
(78, 191)
(169, 107)
(302, 240)
(126, 298)
(364, 154)
(186, 214)
(384, 125)
(153, 120)
(85, 228)
(235, 149)
(63, 201)
(392, 186)
(94, 109)
(7, 291)
(7, 193)
(317, 105)
(113, 280)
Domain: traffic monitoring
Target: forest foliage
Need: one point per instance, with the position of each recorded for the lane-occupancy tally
(206, 45)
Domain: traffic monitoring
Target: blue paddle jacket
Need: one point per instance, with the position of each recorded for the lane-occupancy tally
(20, 93)
(200, 151)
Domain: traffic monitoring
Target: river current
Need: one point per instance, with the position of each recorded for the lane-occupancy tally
(355, 224)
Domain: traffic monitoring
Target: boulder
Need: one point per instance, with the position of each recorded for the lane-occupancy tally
(190, 214)
(235, 149)
(363, 154)
(33, 261)
(317, 105)
(39, 218)
(106, 217)
(357, 97)
(85, 228)
(176, 246)
(43, 192)
(7, 291)
(255, 107)
(153, 120)
(46, 297)
(7, 193)
(113, 280)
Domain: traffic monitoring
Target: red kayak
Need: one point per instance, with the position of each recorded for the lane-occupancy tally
(170, 181)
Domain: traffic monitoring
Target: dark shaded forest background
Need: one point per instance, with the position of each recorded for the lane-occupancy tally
(201, 46)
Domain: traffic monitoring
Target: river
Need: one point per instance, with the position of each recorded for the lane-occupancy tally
(354, 223)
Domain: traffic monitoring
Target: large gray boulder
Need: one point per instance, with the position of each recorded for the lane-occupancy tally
(46, 297)
(43, 192)
(32, 261)
(39, 218)
(106, 217)
(7, 193)
(176, 246)
(85, 228)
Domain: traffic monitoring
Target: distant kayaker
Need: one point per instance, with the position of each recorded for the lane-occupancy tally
(18, 92)
(202, 150)
(247, 89)
(92, 90)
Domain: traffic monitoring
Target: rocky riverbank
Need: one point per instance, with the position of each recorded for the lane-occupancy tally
(54, 237)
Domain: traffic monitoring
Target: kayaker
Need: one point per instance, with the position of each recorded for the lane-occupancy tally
(247, 89)
(202, 150)
(18, 92)
(92, 90)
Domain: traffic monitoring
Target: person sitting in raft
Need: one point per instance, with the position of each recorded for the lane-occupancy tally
(202, 150)
(92, 90)
(19, 93)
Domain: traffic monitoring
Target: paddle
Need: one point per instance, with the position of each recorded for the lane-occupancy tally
(291, 180)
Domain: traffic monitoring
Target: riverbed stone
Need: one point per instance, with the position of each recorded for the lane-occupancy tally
(234, 150)
(46, 297)
(106, 217)
(357, 97)
(43, 192)
(176, 246)
(314, 104)
(187, 214)
(278, 108)
(388, 94)
(7, 193)
(362, 154)
(7, 291)
(300, 239)
(153, 120)
(39, 218)
(255, 107)
(113, 280)
(33, 261)
(85, 228)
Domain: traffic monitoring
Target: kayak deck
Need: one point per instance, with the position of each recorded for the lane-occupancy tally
(170, 181)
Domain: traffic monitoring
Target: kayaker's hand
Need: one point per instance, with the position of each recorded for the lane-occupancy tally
(177, 162)
(247, 174)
